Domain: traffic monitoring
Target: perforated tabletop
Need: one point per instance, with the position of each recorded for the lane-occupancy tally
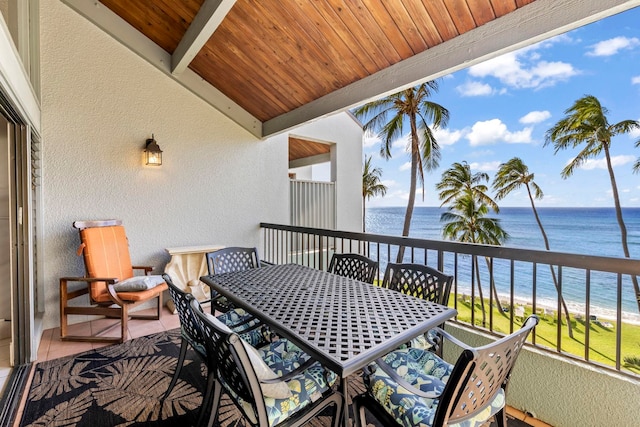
(342, 322)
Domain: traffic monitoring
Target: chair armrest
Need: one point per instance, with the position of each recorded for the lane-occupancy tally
(403, 383)
(90, 279)
(65, 295)
(286, 377)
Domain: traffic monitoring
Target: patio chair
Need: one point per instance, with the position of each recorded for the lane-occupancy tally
(190, 332)
(419, 281)
(229, 260)
(354, 266)
(278, 385)
(433, 392)
(422, 282)
(110, 283)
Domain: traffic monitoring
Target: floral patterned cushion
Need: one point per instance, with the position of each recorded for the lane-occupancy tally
(282, 357)
(242, 323)
(423, 370)
(422, 341)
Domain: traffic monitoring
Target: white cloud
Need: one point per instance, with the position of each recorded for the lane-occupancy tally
(535, 117)
(402, 144)
(613, 46)
(591, 164)
(370, 139)
(493, 131)
(446, 136)
(635, 80)
(389, 183)
(474, 89)
(405, 166)
(524, 69)
(634, 133)
(485, 166)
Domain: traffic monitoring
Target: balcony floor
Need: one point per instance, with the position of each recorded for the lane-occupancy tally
(51, 347)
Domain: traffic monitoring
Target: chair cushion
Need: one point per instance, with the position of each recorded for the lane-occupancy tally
(282, 357)
(279, 389)
(134, 296)
(106, 254)
(422, 342)
(245, 325)
(423, 370)
(138, 283)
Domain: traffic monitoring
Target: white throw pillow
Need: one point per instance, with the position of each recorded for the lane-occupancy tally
(277, 390)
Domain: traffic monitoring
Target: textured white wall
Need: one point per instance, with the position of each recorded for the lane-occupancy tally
(100, 102)
(344, 130)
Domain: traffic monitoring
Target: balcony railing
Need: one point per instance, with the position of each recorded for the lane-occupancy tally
(597, 290)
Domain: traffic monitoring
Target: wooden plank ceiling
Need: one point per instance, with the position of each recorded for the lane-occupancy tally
(272, 64)
(302, 148)
(273, 56)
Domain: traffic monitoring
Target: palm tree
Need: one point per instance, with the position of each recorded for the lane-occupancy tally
(636, 165)
(586, 124)
(511, 176)
(458, 179)
(387, 117)
(466, 221)
(457, 182)
(371, 185)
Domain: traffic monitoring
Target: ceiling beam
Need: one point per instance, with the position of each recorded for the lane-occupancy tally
(532, 23)
(130, 37)
(205, 23)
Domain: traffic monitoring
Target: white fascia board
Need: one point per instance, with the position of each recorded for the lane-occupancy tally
(120, 30)
(530, 24)
(15, 83)
(205, 23)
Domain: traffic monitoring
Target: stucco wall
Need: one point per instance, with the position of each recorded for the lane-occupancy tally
(342, 128)
(561, 392)
(100, 102)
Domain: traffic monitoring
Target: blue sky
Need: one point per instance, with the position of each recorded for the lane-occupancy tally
(503, 107)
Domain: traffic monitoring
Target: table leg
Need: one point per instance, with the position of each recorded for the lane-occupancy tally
(344, 389)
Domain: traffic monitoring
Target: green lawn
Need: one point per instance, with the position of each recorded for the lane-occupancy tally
(602, 341)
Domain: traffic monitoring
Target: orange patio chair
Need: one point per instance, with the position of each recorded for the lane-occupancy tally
(109, 282)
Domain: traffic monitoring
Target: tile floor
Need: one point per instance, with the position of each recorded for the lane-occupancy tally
(51, 348)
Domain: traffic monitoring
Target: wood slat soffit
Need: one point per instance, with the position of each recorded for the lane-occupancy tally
(273, 64)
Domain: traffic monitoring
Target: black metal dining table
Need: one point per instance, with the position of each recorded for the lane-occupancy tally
(343, 323)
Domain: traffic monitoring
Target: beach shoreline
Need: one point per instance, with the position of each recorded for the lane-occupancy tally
(545, 306)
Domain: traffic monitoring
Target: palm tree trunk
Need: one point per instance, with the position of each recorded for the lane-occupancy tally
(623, 229)
(553, 272)
(492, 287)
(412, 188)
(484, 311)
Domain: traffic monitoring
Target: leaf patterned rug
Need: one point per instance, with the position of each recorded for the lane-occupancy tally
(121, 385)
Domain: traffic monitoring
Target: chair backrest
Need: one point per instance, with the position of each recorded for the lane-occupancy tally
(188, 325)
(105, 249)
(354, 266)
(478, 376)
(232, 259)
(227, 354)
(419, 281)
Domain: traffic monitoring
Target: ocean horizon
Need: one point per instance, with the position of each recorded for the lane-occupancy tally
(575, 230)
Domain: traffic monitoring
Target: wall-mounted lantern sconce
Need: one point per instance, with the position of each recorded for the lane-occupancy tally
(152, 152)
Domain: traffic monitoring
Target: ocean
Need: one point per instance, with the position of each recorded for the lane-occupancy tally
(589, 231)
